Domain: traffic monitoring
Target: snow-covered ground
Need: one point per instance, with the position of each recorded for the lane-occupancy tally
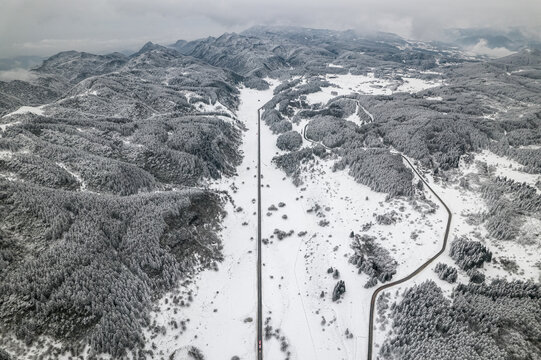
(300, 312)
(509, 168)
(345, 84)
(3, 127)
(38, 110)
(221, 319)
(295, 272)
(222, 315)
(526, 253)
(295, 268)
(80, 180)
(462, 203)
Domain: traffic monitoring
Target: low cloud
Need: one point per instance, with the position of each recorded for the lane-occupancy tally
(36, 27)
(482, 49)
(17, 74)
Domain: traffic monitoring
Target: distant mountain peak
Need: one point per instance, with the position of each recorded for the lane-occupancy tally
(150, 46)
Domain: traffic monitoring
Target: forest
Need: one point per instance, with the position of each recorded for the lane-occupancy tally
(103, 211)
(89, 265)
(509, 204)
(99, 198)
(372, 259)
(436, 133)
(499, 320)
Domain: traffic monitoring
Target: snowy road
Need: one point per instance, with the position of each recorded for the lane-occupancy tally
(221, 318)
(259, 280)
(414, 273)
(292, 314)
(417, 271)
(300, 320)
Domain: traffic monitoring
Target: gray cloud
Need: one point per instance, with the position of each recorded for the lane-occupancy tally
(16, 74)
(45, 27)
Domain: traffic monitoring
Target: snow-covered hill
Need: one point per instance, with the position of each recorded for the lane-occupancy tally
(128, 199)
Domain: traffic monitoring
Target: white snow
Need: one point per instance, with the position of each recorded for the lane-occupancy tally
(189, 94)
(232, 289)
(509, 168)
(345, 84)
(295, 268)
(355, 118)
(482, 49)
(294, 303)
(203, 107)
(530, 147)
(38, 110)
(429, 72)
(368, 113)
(216, 107)
(413, 85)
(221, 319)
(525, 252)
(77, 177)
(3, 127)
(6, 154)
(463, 202)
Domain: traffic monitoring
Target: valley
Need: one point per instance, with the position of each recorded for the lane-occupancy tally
(129, 199)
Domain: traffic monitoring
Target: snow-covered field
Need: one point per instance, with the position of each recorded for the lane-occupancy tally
(301, 318)
(295, 269)
(345, 84)
(508, 168)
(294, 302)
(222, 316)
(221, 319)
(463, 203)
(38, 110)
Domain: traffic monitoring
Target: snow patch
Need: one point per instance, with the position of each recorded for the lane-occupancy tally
(77, 177)
(509, 168)
(38, 110)
(345, 84)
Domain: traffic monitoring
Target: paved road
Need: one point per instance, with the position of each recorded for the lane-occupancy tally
(312, 141)
(414, 273)
(259, 284)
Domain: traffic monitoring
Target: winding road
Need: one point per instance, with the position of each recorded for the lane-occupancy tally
(414, 273)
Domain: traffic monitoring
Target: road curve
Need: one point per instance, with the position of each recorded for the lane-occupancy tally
(312, 141)
(414, 273)
(259, 283)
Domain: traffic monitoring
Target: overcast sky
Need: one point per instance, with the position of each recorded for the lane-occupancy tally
(44, 27)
